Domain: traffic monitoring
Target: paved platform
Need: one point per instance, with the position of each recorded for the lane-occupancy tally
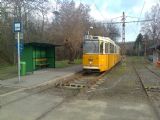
(41, 77)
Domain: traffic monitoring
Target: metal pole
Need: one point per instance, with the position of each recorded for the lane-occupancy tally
(138, 49)
(123, 35)
(145, 47)
(19, 67)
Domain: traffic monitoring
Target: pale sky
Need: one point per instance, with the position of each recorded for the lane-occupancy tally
(102, 10)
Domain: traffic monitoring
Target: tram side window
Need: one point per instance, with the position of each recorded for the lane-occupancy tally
(115, 50)
(101, 47)
(111, 48)
(118, 50)
(106, 48)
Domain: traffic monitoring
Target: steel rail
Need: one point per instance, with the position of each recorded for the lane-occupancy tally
(145, 91)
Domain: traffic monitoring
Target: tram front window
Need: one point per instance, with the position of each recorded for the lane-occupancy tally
(91, 46)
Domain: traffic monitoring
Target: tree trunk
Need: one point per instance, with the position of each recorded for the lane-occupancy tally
(71, 51)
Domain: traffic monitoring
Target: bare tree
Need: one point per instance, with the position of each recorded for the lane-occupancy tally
(43, 7)
(106, 30)
(71, 27)
(26, 11)
(152, 29)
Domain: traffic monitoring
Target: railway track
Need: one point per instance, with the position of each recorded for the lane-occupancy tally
(66, 97)
(147, 92)
(158, 75)
(82, 82)
(67, 88)
(29, 92)
(153, 88)
(66, 94)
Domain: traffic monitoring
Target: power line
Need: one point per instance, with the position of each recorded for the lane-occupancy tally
(123, 34)
(98, 10)
(141, 11)
(123, 22)
(129, 21)
(158, 9)
(116, 18)
(132, 17)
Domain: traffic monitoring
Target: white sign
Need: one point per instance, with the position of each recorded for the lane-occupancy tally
(17, 26)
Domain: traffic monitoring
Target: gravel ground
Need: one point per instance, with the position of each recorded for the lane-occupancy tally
(119, 97)
(151, 79)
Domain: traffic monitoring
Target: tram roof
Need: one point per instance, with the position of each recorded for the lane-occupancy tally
(107, 39)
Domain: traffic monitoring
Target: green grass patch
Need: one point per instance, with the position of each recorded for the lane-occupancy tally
(64, 63)
(117, 71)
(3, 63)
(8, 71)
(135, 59)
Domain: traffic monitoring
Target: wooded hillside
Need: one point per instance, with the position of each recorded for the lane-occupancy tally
(43, 22)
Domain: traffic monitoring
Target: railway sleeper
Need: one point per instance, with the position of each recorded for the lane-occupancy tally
(73, 86)
(80, 82)
(153, 88)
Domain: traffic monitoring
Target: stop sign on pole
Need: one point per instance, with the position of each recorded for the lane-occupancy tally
(17, 28)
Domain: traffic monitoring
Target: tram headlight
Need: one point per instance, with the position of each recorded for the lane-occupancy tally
(90, 61)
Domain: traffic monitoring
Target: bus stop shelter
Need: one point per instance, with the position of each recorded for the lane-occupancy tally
(38, 55)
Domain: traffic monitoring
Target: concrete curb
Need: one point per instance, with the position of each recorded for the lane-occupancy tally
(50, 81)
(38, 85)
(13, 96)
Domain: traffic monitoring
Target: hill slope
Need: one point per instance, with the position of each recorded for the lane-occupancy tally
(6, 69)
(3, 62)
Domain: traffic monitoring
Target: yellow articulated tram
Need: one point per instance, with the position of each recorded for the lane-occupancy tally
(100, 53)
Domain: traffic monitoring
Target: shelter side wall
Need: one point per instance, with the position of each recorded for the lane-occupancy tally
(28, 58)
(50, 54)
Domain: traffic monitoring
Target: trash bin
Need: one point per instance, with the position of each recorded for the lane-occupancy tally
(23, 68)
